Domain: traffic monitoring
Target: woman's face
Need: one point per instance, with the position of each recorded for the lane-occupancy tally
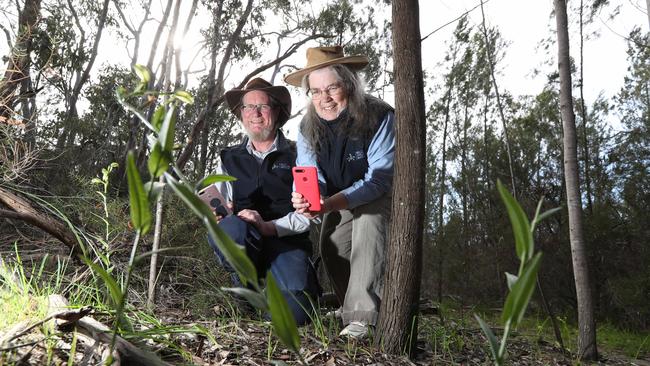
(327, 93)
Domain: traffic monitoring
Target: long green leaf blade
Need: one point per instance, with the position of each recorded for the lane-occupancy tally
(166, 136)
(520, 224)
(519, 297)
(254, 298)
(139, 206)
(159, 161)
(492, 339)
(111, 284)
(233, 253)
(282, 319)
(212, 179)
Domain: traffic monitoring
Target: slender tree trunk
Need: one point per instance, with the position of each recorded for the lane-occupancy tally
(19, 60)
(398, 319)
(586, 323)
(72, 115)
(441, 200)
(583, 116)
(499, 105)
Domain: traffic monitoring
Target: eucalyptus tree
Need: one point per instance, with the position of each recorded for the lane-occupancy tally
(398, 319)
(17, 74)
(89, 21)
(586, 321)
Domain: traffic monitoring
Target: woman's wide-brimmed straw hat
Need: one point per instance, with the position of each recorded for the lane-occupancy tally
(280, 93)
(318, 57)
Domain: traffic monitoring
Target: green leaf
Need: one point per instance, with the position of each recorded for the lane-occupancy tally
(511, 280)
(140, 215)
(184, 96)
(142, 72)
(539, 217)
(158, 162)
(96, 181)
(158, 116)
(132, 109)
(253, 297)
(520, 224)
(235, 255)
(166, 136)
(282, 319)
(494, 343)
(519, 297)
(212, 179)
(111, 284)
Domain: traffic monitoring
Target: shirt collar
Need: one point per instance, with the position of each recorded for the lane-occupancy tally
(273, 147)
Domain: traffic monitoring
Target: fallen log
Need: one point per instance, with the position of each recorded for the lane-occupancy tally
(20, 209)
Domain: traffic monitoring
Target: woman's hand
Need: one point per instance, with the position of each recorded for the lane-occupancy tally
(302, 206)
(266, 228)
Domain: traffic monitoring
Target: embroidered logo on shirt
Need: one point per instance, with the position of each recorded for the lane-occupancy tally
(353, 156)
(281, 165)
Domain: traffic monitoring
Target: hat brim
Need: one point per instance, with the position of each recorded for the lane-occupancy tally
(353, 62)
(234, 98)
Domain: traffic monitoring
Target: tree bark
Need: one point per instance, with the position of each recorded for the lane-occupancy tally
(19, 61)
(443, 174)
(587, 326)
(21, 210)
(583, 115)
(398, 319)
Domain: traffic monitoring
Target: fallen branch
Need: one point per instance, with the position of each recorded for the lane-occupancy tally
(20, 209)
(91, 330)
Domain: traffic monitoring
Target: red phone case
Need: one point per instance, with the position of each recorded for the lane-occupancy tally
(306, 180)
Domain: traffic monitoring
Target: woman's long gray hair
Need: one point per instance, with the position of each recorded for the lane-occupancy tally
(357, 123)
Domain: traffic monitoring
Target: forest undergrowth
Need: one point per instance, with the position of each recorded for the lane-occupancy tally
(194, 322)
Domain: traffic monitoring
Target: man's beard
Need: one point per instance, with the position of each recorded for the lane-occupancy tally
(260, 136)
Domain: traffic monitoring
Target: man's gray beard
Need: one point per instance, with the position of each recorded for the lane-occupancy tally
(261, 136)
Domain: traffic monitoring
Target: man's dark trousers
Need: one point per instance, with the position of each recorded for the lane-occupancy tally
(289, 264)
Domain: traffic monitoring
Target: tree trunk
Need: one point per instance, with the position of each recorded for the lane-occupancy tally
(441, 200)
(586, 323)
(19, 61)
(583, 116)
(69, 132)
(499, 105)
(398, 319)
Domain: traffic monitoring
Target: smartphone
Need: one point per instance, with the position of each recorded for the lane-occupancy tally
(306, 180)
(213, 198)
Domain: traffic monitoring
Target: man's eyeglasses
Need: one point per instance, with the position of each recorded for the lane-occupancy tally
(334, 89)
(250, 108)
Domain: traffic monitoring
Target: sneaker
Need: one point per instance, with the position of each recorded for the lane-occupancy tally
(336, 314)
(355, 329)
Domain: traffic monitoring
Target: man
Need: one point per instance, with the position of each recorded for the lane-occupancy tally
(263, 220)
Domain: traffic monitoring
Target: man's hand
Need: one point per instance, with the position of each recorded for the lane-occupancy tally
(219, 216)
(266, 228)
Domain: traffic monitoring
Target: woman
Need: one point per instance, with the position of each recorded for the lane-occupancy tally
(348, 135)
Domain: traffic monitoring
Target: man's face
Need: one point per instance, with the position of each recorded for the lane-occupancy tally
(257, 116)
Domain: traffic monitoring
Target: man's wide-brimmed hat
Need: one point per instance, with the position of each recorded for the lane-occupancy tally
(279, 93)
(318, 57)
